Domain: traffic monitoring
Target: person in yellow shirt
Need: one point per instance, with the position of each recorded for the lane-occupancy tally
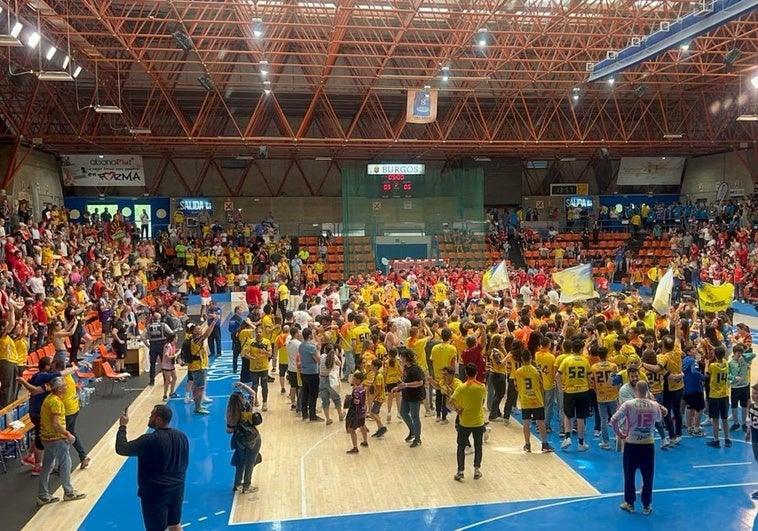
(440, 291)
(56, 439)
(359, 336)
(392, 377)
(443, 355)
(377, 395)
(282, 357)
(545, 360)
(376, 310)
(717, 371)
(257, 350)
(198, 366)
(497, 377)
(283, 296)
(528, 379)
(417, 341)
(601, 378)
(468, 401)
(70, 400)
(575, 373)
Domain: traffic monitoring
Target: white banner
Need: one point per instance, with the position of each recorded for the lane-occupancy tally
(650, 171)
(102, 170)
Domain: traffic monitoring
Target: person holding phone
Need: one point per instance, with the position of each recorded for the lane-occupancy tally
(246, 440)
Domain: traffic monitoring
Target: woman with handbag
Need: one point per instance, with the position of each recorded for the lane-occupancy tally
(242, 422)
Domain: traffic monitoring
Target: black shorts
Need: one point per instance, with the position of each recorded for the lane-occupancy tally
(160, 514)
(120, 353)
(389, 387)
(37, 421)
(189, 376)
(537, 413)
(354, 423)
(292, 379)
(695, 401)
(576, 405)
(740, 396)
(718, 408)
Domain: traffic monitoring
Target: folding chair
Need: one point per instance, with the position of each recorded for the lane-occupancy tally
(113, 376)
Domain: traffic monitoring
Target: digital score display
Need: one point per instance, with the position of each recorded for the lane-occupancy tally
(397, 185)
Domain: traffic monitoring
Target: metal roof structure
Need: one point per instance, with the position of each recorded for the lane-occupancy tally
(328, 78)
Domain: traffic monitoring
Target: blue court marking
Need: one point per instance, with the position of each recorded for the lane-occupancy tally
(716, 494)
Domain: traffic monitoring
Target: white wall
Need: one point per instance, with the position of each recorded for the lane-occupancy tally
(702, 174)
(38, 180)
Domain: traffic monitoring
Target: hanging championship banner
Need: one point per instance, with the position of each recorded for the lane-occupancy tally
(421, 106)
(102, 170)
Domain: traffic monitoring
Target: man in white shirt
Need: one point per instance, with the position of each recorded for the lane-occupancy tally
(403, 325)
(36, 283)
(317, 308)
(296, 337)
(301, 317)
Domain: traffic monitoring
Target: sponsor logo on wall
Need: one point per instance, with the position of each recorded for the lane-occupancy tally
(102, 170)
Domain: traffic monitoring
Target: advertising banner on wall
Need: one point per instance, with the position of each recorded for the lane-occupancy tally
(650, 171)
(102, 170)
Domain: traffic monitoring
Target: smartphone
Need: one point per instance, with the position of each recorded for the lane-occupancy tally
(126, 411)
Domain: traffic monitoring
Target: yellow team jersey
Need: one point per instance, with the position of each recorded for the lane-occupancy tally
(529, 386)
(7, 349)
(469, 397)
(392, 373)
(719, 372)
(283, 292)
(442, 355)
(366, 294)
(405, 290)
(202, 260)
(258, 353)
(189, 258)
(655, 379)
(497, 362)
(21, 349)
(52, 405)
(558, 361)
(449, 389)
(281, 349)
(672, 362)
(602, 381)
(419, 348)
(546, 362)
(198, 349)
(575, 369)
(358, 337)
(70, 398)
(440, 292)
(379, 393)
(608, 340)
(376, 311)
(381, 351)
(267, 323)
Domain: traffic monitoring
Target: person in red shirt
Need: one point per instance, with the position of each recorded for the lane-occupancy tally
(473, 352)
(253, 294)
(739, 281)
(40, 320)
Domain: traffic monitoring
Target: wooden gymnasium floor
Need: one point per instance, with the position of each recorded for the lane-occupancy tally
(307, 480)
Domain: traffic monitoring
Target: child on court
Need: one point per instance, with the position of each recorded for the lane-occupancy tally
(377, 396)
(355, 403)
(529, 385)
(752, 423)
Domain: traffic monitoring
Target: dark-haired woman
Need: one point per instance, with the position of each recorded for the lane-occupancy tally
(246, 440)
(413, 393)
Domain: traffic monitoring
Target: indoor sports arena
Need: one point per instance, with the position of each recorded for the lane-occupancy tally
(434, 264)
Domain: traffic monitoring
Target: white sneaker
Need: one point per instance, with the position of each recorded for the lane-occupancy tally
(468, 450)
(605, 445)
(583, 447)
(566, 443)
(676, 440)
(665, 444)
(187, 399)
(207, 400)
(429, 413)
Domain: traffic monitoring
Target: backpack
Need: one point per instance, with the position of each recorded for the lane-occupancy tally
(185, 354)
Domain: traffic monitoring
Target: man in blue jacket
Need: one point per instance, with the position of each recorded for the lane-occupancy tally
(693, 390)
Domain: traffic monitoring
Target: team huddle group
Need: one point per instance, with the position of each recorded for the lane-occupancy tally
(582, 359)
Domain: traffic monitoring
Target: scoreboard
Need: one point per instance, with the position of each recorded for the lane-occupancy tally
(398, 180)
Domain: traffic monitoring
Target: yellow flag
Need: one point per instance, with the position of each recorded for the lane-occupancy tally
(576, 283)
(715, 298)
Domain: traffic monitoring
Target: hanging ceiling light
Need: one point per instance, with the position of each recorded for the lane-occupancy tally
(51, 53)
(257, 28)
(445, 73)
(754, 81)
(33, 40)
(264, 67)
(267, 87)
(16, 31)
(66, 61)
(77, 71)
(482, 37)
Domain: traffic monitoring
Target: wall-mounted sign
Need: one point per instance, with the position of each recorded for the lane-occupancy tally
(192, 206)
(394, 169)
(102, 170)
